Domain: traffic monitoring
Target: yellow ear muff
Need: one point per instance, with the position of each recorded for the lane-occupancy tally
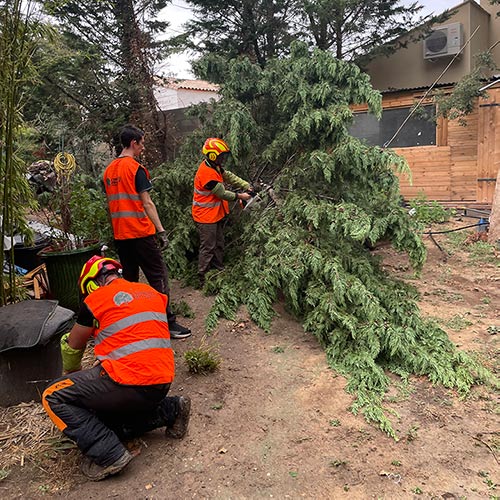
(212, 156)
(91, 286)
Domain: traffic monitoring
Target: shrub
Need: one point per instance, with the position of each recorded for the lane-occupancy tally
(201, 360)
(429, 212)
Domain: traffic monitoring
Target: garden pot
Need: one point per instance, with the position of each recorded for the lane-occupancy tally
(63, 271)
(28, 257)
(30, 355)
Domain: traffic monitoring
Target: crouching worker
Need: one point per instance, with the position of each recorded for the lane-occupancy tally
(125, 395)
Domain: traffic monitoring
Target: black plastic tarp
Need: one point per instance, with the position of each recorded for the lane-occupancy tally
(30, 356)
(32, 322)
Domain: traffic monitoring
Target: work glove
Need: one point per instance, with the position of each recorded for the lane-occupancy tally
(162, 239)
(71, 358)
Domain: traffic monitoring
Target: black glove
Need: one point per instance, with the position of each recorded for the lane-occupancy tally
(162, 240)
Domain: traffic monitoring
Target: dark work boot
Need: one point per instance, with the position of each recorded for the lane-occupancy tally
(98, 472)
(179, 410)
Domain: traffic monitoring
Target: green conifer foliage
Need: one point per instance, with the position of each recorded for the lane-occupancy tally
(333, 198)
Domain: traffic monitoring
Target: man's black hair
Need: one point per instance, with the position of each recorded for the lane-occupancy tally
(130, 133)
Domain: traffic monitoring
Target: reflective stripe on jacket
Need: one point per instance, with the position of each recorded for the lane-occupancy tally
(132, 339)
(207, 208)
(128, 216)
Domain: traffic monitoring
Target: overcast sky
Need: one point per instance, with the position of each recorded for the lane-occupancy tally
(178, 12)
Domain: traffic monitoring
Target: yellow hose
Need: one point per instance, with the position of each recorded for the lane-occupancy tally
(64, 165)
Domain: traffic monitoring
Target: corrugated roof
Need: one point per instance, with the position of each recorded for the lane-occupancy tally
(494, 80)
(423, 87)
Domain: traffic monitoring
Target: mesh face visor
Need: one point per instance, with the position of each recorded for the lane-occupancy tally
(223, 157)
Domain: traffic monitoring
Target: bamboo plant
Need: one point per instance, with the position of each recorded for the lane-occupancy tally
(18, 39)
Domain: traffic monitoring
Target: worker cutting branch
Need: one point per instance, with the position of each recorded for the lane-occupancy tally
(211, 203)
(125, 394)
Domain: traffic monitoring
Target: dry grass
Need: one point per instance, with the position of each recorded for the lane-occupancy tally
(25, 432)
(28, 436)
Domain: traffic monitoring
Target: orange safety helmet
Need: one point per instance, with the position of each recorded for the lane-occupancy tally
(214, 147)
(92, 269)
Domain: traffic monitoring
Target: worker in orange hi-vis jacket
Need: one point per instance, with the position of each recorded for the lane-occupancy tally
(125, 393)
(210, 203)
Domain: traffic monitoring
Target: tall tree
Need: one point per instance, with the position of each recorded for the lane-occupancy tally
(262, 29)
(73, 102)
(359, 31)
(123, 33)
(257, 29)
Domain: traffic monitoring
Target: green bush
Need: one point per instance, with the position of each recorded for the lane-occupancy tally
(201, 360)
(429, 212)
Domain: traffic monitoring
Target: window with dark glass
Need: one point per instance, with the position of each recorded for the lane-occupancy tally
(419, 130)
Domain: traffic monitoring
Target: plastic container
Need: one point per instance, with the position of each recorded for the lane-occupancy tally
(27, 257)
(481, 227)
(63, 271)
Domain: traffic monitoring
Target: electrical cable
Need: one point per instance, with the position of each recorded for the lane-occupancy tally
(457, 229)
(64, 165)
(386, 145)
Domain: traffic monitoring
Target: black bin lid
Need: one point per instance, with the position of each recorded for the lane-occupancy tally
(32, 322)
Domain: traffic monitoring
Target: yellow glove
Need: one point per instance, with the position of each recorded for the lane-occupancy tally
(71, 358)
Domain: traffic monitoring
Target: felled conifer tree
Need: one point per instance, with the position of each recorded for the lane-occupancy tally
(334, 197)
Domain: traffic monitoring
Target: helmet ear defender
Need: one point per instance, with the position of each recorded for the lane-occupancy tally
(91, 286)
(214, 147)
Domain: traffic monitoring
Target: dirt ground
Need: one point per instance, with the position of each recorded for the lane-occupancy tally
(274, 421)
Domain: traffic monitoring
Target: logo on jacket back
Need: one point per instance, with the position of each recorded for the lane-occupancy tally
(122, 298)
(113, 181)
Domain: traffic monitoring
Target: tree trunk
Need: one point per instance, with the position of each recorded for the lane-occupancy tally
(494, 232)
(143, 108)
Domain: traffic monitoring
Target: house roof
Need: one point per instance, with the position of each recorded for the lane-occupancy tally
(422, 87)
(494, 80)
(176, 84)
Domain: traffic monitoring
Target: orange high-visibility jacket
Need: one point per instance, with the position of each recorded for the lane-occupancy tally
(128, 216)
(132, 339)
(207, 208)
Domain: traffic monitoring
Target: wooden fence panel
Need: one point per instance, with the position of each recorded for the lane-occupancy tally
(488, 153)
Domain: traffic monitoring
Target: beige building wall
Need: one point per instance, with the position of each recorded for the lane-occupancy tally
(407, 67)
(494, 27)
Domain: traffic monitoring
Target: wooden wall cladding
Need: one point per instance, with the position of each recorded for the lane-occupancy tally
(488, 159)
(463, 165)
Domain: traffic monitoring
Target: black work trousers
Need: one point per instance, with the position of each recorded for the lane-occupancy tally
(143, 253)
(97, 413)
(211, 253)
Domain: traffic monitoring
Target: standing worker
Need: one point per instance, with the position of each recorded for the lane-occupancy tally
(138, 232)
(210, 203)
(125, 395)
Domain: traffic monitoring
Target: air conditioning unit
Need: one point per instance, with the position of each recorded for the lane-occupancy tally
(444, 41)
